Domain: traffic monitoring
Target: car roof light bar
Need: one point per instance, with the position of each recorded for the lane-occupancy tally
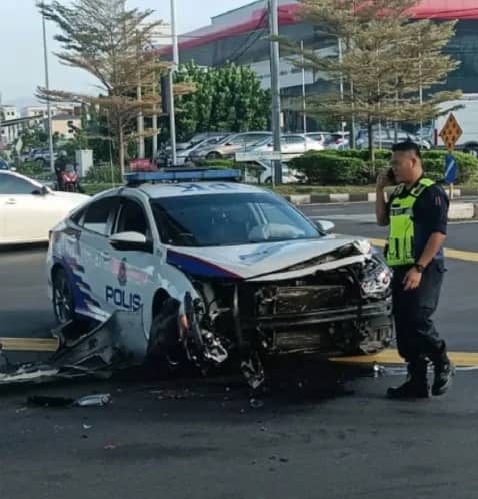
(182, 175)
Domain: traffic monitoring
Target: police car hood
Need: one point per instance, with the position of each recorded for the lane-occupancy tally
(271, 260)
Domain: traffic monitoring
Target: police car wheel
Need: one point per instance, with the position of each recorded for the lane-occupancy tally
(63, 304)
(166, 352)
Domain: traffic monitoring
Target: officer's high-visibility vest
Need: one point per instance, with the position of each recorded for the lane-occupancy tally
(401, 239)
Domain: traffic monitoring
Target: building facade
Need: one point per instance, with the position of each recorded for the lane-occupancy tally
(9, 126)
(240, 36)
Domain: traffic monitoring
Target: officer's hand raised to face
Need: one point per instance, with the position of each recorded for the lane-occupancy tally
(383, 180)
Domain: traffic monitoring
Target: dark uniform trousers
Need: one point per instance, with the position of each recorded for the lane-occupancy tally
(417, 337)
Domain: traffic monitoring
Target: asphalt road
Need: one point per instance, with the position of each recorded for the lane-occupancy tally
(201, 438)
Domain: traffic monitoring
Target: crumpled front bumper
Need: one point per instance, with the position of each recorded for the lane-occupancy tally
(114, 344)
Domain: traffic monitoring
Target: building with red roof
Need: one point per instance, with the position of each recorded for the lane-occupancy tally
(240, 36)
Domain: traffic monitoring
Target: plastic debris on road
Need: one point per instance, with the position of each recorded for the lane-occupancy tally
(89, 400)
(99, 399)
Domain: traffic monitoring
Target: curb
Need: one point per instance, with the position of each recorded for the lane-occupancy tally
(457, 211)
(357, 197)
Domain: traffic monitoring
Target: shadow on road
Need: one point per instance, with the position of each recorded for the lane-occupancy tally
(17, 248)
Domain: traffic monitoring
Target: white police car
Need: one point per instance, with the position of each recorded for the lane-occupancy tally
(213, 267)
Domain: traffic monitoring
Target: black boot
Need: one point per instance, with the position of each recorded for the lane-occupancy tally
(444, 372)
(416, 385)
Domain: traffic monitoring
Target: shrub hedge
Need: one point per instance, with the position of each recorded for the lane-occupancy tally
(353, 167)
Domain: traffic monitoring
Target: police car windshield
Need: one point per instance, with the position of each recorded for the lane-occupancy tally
(229, 219)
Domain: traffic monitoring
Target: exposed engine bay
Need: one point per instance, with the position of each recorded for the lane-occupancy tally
(342, 307)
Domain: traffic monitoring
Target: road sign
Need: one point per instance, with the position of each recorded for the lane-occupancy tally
(450, 132)
(254, 155)
(450, 169)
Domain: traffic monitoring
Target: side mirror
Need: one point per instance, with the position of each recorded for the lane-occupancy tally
(42, 191)
(131, 241)
(13, 169)
(325, 225)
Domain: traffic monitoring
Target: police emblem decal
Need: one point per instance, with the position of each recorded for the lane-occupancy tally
(122, 273)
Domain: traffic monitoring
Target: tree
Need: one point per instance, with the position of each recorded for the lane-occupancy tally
(386, 63)
(229, 98)
(111, 43)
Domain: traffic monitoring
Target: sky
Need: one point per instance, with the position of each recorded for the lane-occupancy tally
(21, 44)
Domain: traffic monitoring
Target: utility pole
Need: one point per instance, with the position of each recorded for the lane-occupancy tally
(172, 118)
(47, 86)
(275, 88)
(342, 123)
(304, 107)
(154, 123)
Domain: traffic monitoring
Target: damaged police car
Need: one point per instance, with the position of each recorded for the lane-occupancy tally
(212, 271)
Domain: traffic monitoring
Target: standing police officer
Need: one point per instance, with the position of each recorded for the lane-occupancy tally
(417, 213)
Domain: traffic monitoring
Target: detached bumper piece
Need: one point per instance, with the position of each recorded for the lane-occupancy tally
(111, 346)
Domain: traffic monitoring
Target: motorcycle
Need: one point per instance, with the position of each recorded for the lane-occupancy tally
(69, 179)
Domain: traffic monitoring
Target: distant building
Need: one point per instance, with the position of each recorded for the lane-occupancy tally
(9, 112)
(9, 128)
(240, 36)
(61, 124)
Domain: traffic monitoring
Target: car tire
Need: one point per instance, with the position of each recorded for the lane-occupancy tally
(165, 352)
(213, 155)
(62, 301)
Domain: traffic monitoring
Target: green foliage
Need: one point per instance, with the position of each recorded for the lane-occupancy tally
(33, 137)
(92, 189)
(103, 173)
(331, 168)
(32, 169)
(229, 98)
(353, 167)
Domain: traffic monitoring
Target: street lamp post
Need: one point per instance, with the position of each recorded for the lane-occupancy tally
(47, 86)
(172, 118)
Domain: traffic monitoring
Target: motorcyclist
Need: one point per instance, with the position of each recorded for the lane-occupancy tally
(60, 166)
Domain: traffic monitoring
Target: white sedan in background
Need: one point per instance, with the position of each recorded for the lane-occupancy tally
(28, 209)
(291, 145)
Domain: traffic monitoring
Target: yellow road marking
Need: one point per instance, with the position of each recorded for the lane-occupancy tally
(389, 356)
(29, 344)
(466, 256)
(460, 359)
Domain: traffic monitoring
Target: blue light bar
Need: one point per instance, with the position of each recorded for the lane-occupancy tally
(182, 174)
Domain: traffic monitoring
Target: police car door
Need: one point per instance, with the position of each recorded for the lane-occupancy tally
(130, 274)
(95, 250)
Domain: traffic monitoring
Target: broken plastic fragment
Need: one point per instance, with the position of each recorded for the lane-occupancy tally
(93, 400)
(253, 371)
(255, 403)
(378, 370)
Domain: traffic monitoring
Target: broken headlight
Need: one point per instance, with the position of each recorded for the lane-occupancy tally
(376, 279)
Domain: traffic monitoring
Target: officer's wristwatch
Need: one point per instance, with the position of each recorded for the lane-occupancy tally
(420, 268)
